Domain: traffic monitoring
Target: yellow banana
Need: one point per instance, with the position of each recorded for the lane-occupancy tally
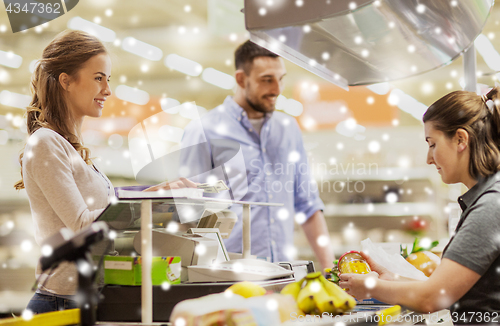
(324, 301)
(305, 299)
(306, 303)
(342, 300)
(312, 276)
(293, 289)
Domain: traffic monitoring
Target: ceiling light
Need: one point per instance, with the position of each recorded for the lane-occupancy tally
(488, 52)
(393, 98)
(293, 107)
(132, 95)
(4, 137)
(218, 78)
(184, 65)
(380, 88)
(11, 60)
(170, 105)
(142, 49)
(14, 99)
(102, 33)
(4, 76)
(33, 64)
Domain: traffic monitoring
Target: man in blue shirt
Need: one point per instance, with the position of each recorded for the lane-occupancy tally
(261, 154)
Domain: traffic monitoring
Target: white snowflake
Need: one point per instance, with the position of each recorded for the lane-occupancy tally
(323, 240)
(272, 304)
(293, 156)
(300, 218)
(283, 214)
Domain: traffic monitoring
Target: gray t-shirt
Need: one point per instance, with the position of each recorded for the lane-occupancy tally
(476, 245)
(257, 124)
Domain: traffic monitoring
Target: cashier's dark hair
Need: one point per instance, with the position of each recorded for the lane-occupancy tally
(67, 53)
(246, 52)
(480, 117)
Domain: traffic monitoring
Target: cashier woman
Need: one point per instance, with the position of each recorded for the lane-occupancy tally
(463, 133)
(64, 187)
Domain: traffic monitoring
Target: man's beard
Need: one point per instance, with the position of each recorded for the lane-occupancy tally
(258, 107)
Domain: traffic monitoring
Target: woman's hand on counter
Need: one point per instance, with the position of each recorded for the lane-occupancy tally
(359, 285)
(177, 184)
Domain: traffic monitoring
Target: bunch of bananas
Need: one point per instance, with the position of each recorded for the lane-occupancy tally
(316, 295)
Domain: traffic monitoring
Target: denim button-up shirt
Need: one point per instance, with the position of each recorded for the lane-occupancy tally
(276, 170)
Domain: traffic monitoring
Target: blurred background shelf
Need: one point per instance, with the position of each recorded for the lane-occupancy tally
(388, 174)
(380, 209)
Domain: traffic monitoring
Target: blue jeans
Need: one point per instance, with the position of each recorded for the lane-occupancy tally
(41, 303)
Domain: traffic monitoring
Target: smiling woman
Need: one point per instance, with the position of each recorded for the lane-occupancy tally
(87, 91)
(65, 188)
(463, 133)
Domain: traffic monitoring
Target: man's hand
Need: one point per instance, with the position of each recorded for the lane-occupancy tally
(177, 184)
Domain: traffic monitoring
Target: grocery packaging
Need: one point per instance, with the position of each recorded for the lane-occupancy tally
(127, 270)
(353, 262)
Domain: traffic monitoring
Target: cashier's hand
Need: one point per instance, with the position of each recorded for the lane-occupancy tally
(384, 273)
(177, 184)
(359, 285)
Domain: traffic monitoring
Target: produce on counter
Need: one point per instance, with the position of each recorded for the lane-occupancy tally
(353, 262)
(247, 289)
(424, 261)
(332, 274)
(421, 257)
(316, 295)
(228, 308)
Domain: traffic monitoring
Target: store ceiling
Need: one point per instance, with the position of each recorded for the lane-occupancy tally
(207, 32)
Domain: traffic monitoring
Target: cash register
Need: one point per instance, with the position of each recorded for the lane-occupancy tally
(206, 268)
(204, 257)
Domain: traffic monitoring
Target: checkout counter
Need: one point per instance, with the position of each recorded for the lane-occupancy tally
(125, 305)
(206, 266)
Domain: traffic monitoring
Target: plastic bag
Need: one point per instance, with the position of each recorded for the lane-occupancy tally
(395, 263)
(224, 309)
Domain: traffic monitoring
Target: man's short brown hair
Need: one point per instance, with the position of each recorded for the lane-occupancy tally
(246, 52)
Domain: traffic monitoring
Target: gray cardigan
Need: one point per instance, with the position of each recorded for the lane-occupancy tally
(63, 191)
